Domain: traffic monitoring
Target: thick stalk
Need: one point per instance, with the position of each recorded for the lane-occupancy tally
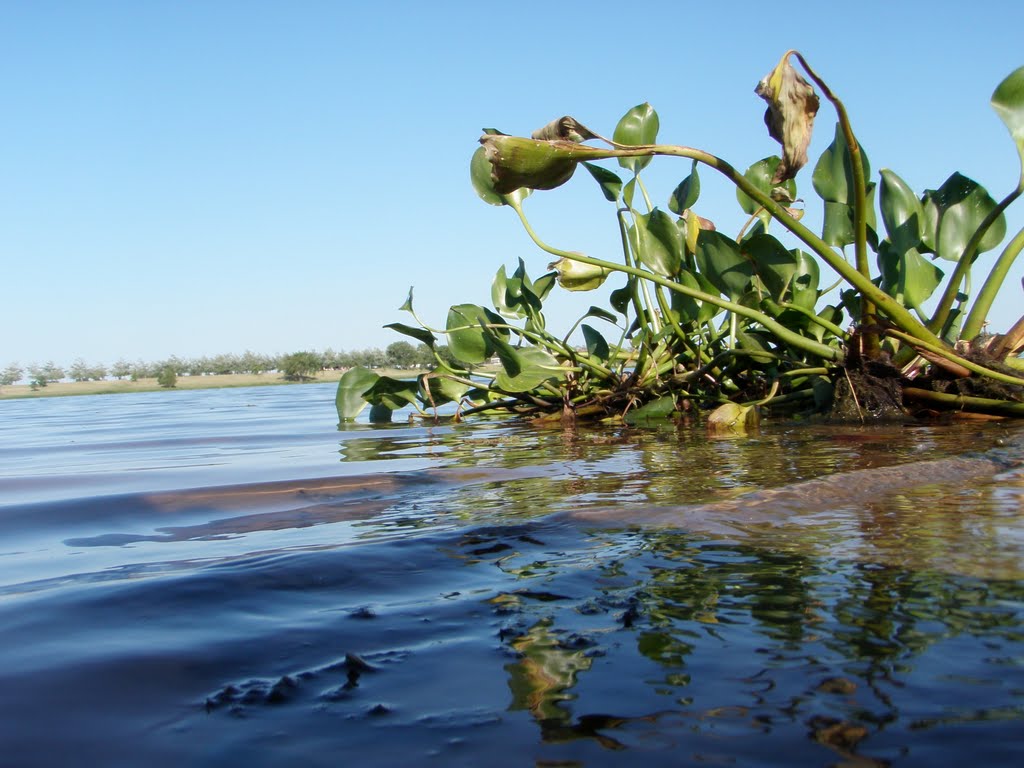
(979, 312)
(860, 218)
(885, 303)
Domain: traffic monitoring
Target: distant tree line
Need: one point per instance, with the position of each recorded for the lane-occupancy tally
(294, 366)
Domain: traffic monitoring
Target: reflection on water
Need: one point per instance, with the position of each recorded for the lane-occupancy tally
(237, 582)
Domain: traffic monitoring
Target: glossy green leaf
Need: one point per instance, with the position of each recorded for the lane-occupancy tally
(597, 346)
(830, 314)
(629, 192)
(902, 212)
(393, 393)
(525, 369)
(833, 173)
(685, 195)
(720, 261)
(438, 388)
(514, 295)
(760, 174)
(542, 285)
(352, 386)
(952, 214)
(838, 228)
(773, 263)
(907, 275)
(751, 342)
(638, 126)
(620, 299)
(805, 280)
(1008, 102)
(689, 310)
(420, 334)
(600, 313)
(467, 340)
(657, 242)
(480, 175)
(610, 183)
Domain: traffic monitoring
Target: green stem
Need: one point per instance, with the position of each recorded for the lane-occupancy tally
(789, 337)
(965, 402)
(979, 312)
(895, 311)
(860, 221)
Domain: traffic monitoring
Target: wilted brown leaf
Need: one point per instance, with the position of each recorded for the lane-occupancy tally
(792, 106)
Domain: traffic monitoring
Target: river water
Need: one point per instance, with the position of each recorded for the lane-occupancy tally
(227, 578)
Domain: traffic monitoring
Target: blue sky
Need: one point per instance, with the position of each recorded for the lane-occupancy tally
(191, 178)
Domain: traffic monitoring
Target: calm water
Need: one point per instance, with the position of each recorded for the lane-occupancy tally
(224, 578)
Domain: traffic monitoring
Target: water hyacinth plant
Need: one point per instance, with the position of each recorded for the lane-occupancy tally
(745, 320)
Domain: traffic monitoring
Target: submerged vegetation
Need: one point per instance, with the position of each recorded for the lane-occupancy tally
(739, 322)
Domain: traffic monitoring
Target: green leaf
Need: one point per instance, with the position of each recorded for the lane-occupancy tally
(685, 195)
(760, 174)
(638, 126)
(657, 241)
(907, 276)
(480, 175)
(438, 388)
(629, 192)
(597, 347)
(602, 314)
(690, 310)
(720, 261)
(407, 304)
(611, 184)
(420, 334)
(838, 228)
(514, 296)
(467, 340)
(1008, 102)
(542, 285)
(393, 393)
(526, 369)
(352, 386)
(773, 263)
(750, 342)
(952, 214)
(620, 299)
(902, 212)
(833, 173)
(805, 280)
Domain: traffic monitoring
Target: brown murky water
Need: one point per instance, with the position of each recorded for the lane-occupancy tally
(223, 578)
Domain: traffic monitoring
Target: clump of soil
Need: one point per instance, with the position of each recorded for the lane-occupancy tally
(872, 391)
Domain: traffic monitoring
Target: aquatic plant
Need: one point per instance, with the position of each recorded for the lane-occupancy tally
(705, 318)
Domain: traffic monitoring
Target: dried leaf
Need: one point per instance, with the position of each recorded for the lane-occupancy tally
(792, 105)
(566, 129)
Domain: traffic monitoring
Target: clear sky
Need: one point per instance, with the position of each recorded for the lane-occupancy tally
(194, 178)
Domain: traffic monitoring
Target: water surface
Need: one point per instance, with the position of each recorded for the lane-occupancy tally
(225, 577)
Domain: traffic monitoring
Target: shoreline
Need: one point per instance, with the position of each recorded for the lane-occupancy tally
(118, 386)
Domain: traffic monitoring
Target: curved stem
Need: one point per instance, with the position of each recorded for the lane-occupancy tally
(794, 339)
(860, 196)
(979, 312)
(964, 263)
